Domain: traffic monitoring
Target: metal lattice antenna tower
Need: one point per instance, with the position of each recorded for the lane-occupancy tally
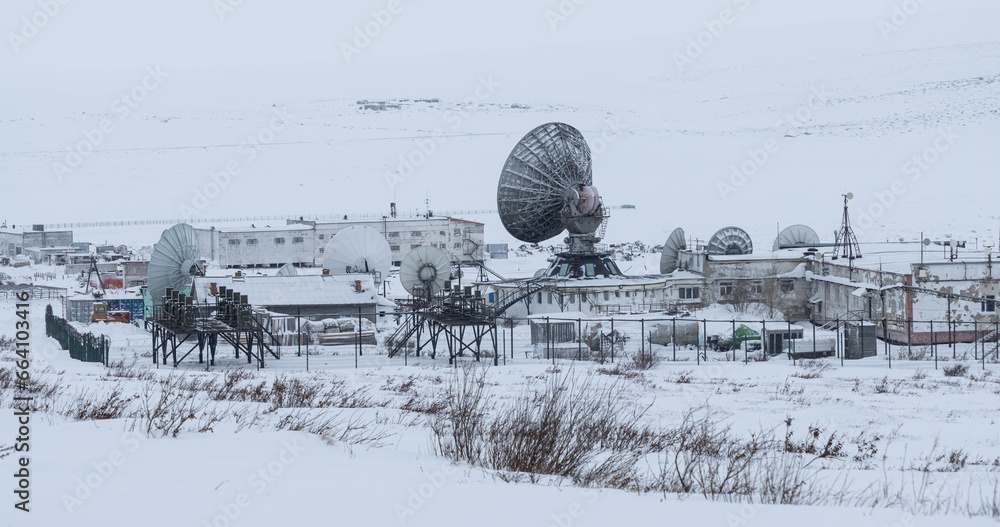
(847, 243)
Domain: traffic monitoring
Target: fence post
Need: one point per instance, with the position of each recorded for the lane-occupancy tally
(933, 346)
(791, 350)
(673, 336)
(612, 340)
(885, 335)
(579, 339)
(733, 341)
(975, 339)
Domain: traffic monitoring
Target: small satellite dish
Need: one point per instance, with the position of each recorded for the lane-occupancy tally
(927, 241)
(174, 261)
(988, 250)
(288, 270)
(671, 248)
(424, 270)
(849, 195)
(358, 250)
(731, 241)
(547, 178)
(795, 235)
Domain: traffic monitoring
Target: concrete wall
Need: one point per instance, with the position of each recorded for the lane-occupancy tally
(461, 240)
(760, 281)
(47, 239)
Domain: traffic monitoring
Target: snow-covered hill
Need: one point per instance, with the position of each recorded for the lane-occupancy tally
(726, 112)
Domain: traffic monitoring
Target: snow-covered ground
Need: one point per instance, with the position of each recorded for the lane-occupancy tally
(756, 113)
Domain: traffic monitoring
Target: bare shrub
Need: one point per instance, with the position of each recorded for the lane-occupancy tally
(166, 411)
(128, 370)
(459, 429)
(812, 369)
(575, 428)
(424, 405)
(350, 431)
(955, 370)
(644, 359)
(886, 386)
(99, 406)
(708, 458)
(684, 377)
(619, 371)
(813, 443)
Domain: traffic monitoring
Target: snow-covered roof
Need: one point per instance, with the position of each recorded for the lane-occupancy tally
(264, 228)
(315, 290)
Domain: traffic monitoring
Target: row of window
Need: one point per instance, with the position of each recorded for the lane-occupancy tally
(584, 296)
(417, 234)
(727, 289)
(277, 241)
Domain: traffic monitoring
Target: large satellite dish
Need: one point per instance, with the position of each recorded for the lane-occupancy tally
(549, 167)
(174, 261)
(671, 248)
(288, 270)
(796, 235)
(730, 240)
(424, 270)
(358, 250)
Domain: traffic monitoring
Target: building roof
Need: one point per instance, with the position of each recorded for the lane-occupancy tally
(891, 257)
(314, 290)
(260, 228)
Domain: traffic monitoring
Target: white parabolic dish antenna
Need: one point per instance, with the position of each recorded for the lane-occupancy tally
(424, 270)
(288, 270)
(174, 261)
(546, 181)
(671, 248)
(358, 250)
(796, 235)
(730, 240)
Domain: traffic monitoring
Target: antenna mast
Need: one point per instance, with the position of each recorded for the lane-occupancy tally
(847, 243)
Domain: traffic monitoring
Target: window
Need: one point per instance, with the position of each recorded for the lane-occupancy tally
(787, 286)
(607, 296)
(233, 241)
(321, 236)
(394, 235)
(322, 249)
(394, 248)
(990, 304)
(443, 246)
(414, 246)
(688, 293)
(583, 297)
(297, 239)
(725, 289)
(279, 241)
(416, 234)
(589, 269)
(572, 299)
(550, 297)
(458, 245)
(444, 233)
(539, 298)
(252, 241)
(458, 232)
(564, 269)
(757, 287)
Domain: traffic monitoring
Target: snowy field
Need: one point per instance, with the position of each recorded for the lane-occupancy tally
(756, 113)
